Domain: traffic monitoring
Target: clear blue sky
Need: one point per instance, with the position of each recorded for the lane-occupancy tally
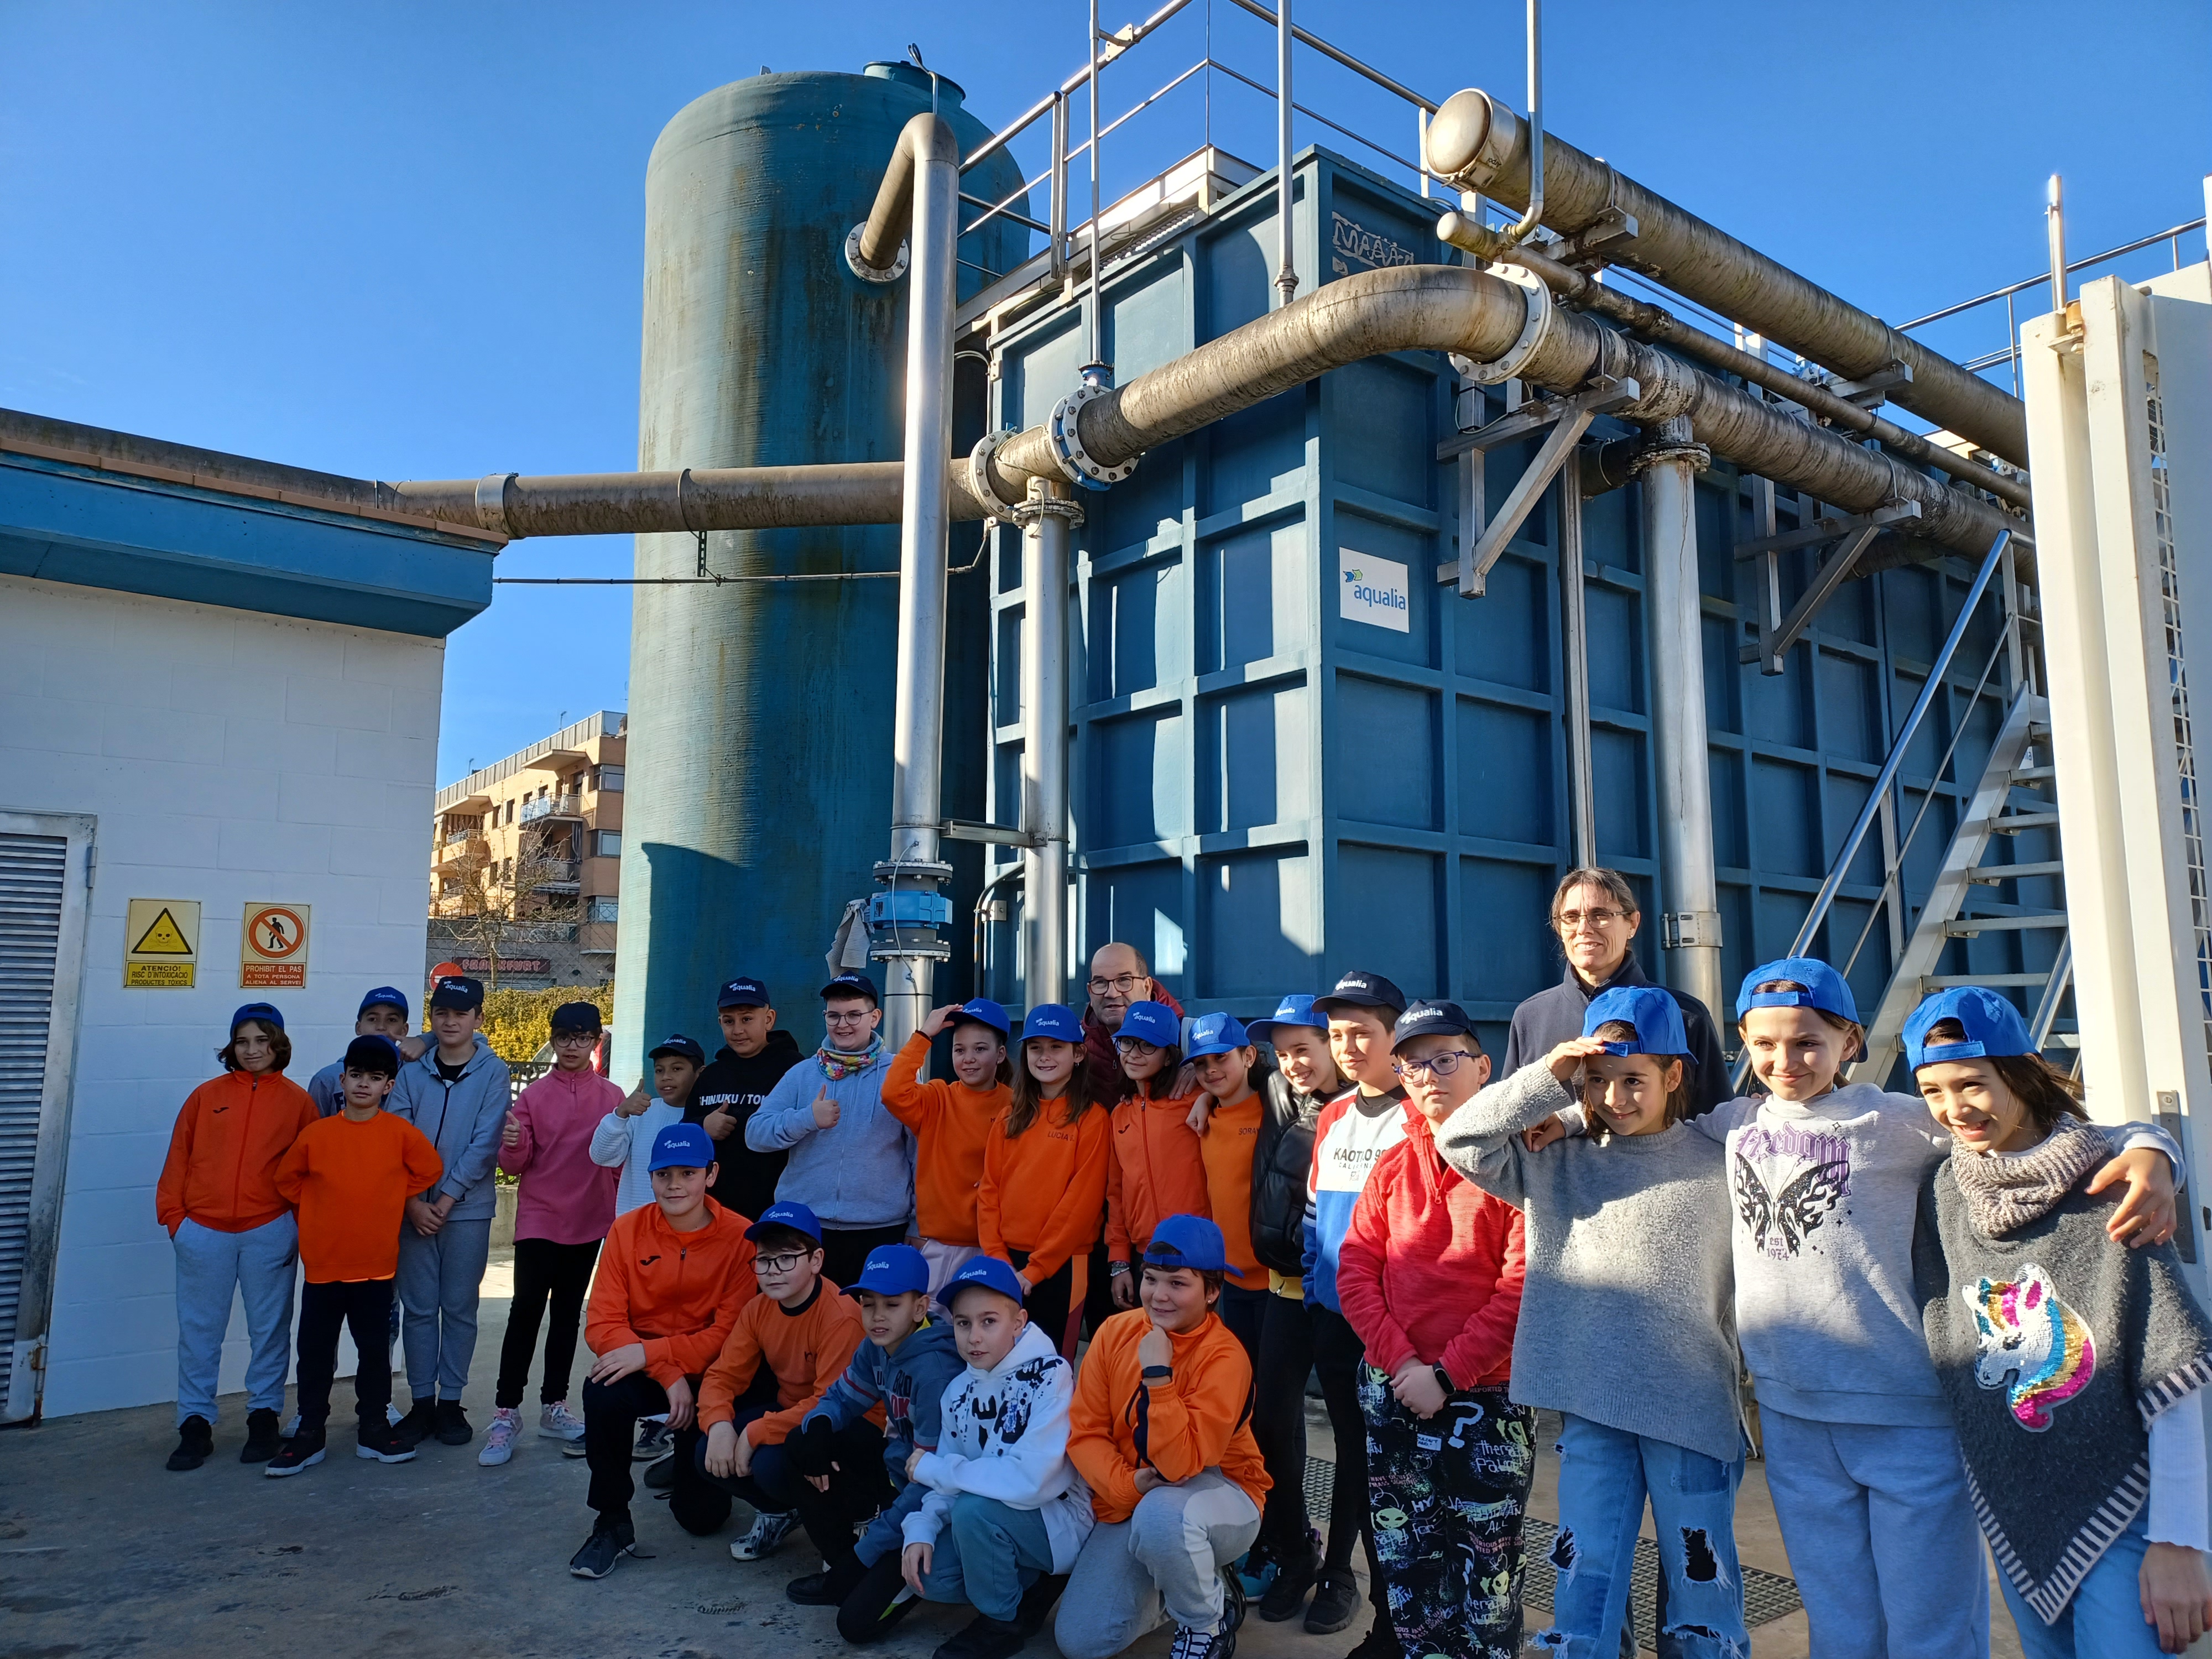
(403, 240)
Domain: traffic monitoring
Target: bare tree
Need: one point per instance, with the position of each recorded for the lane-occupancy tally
(491, 905)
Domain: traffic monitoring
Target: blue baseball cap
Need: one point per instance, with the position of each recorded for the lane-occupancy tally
(681, 1147)
(678, 1044)
(1825, 990)
(986, 1271)
(1213, 1034)
(458, 991)
(742, 993)
(1151, 1022)
(1357, 988)
(262, 1011)
(1053, 1019)
(981, 1010)
(383, 996)
(1656, 1016)
(851, 984)
(1431, 1019)
(1296, 1010)
(892, 1270)
(1188, 1240)
(796, 1217)
(1993, 1026)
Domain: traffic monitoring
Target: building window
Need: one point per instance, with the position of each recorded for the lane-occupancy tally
(602, 909)
(609, 778)
(606, 843)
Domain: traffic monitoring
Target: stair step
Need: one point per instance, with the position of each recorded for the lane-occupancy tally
(1967, 927)
(1944, 981)
(2013, 823)
(1991, 874)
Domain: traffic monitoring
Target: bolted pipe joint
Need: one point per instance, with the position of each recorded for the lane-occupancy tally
(878, 248)
(1668, 442)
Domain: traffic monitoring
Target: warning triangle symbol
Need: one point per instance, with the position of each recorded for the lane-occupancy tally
(163, 939)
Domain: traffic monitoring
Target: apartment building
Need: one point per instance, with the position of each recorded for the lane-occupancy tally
(527, 859)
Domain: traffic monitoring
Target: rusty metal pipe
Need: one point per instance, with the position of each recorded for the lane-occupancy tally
(925, 138)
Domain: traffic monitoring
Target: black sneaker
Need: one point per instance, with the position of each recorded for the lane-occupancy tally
(1219, 1642)
(381, 1443)
(453, 1428)
(985, 1638)
(1335, 1603)
(265, 1433)
(1038, 1601)
(609, 1541)
(195, 1444)
(1294, 1576)
(1381, 1642)
(661, 1476)
(654, 1440)
(877, 1604)
(420, 1423)
(302, 1451)
(829, 1587)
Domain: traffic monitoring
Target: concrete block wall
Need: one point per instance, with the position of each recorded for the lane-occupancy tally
(229, 757)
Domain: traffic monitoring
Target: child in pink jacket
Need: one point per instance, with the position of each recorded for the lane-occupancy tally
(562, 1211)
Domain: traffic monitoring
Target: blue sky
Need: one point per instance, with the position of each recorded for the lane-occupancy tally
(403, 240)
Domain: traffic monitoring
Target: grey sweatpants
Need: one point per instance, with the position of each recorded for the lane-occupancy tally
(438, 1280)
(1172, 1549)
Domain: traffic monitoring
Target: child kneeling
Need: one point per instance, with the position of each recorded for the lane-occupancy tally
(1160, 1433)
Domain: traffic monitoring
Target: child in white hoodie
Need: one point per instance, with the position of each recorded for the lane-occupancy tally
(1006, 1511)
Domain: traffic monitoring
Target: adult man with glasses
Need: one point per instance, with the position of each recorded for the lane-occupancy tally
(1119, 977)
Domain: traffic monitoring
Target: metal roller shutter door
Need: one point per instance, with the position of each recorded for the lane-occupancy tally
(32, 875)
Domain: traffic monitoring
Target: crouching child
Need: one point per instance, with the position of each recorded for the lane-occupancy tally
(1006, 1513)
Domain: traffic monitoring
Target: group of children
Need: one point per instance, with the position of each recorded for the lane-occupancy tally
(1954, 1327)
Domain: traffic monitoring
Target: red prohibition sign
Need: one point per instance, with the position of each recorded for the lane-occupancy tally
(276, 932)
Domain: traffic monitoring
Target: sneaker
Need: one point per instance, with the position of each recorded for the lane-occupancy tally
(557, 1422)
(302, 1451)
(453, 1428)
(986, 1638)
(420, 1423)
(829, 1587)
(1381, 1642)
(499, 1438)
(1218, 1643)
(380, 1443)
(575, 1448)
(767, 1531)
(1294, 1576)
(262, 1436)
(654, 1439)
(609, 1541)
(661, 1476)
(195, 1444)
(879, 1602)
(1335, 1603)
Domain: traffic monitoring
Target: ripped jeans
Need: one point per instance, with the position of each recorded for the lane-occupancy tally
(1604, 1477)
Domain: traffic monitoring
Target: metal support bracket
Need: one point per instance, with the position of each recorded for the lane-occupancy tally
(1597, 243)
(997, 835)
(1871, 390)
(1777, 633)
(1569, 417)
(1682, 930)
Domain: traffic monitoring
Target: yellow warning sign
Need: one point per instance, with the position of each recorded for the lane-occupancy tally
(272, 953)
(161, 945)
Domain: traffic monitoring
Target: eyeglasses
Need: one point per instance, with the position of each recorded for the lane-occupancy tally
(570, 1039)
(778, 1264)
(859, 1015)
(1442, 1065)
(1137, 1048)
(1572, 920)
(1124, 983)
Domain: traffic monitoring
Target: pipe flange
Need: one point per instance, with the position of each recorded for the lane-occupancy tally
(1049, 507)
(979, 473)
(1063, 428)
(1661, 453)
(491, 502)
(1535, 330)
(868, 273)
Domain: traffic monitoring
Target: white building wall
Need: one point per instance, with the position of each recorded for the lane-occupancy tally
(229, 757)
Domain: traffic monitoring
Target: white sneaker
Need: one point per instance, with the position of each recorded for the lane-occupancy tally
(767, 1531)
(499, 1438)
(557, 1422)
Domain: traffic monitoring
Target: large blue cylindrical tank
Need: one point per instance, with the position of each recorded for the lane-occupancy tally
(760, 714)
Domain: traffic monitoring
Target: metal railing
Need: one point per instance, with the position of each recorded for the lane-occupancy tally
(552, 806)
(555, 870)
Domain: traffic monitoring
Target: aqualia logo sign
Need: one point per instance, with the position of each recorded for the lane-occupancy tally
(1373, 590)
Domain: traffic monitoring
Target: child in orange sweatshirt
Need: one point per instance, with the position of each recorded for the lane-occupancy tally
(352, 1176)
(1044, 1174)
(1221, 1055)
(1158, 1169)
(1159, 1433)
(950, 1122)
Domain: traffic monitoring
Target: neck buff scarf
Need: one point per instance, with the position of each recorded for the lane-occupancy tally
(2005, 1191)
(836, 1064)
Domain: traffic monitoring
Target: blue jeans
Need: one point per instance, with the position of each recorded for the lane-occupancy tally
(438, 1282)
(1605, 1475)
(258, 1265)
(987, 1554)
(2105, 1619)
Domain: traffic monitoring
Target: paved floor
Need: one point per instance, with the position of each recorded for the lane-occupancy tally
(104, 1552)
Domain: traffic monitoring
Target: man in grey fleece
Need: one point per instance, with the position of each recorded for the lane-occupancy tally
(458, 1095)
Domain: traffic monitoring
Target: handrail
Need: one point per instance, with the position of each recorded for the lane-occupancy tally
(2044, 277)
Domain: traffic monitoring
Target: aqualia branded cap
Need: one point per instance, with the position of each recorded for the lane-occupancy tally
(1296, 1010)
(796, 1217)
(1430, 1019)
(851, 984)
(379, 1054)
(1053, 1019)
(678, 1044)
(1151, 1022)
(681, 1147)
(743, 993)
(892, 1270)
(1993, 1026)
(1358, 989)
(1825, 990)
(981, 1010)
(458, 991)
(577, 1017)
(261, 1011)
(1213, 1034)
(986, 1271)
(1656, 1016)
(383, 996)
(1188, 1240)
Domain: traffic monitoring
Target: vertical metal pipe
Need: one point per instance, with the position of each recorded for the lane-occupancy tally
(1421, 146)
(1535, 215)
(1091, 316)
(1059, 183)
(1287, 269)
(1691, 929)
(2054, 221)
(918, 717)
(1047, 521)
(1581, 795)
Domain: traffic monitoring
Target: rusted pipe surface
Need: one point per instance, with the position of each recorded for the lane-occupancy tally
(928, 136)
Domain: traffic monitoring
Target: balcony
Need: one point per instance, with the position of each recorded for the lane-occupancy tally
(552, 806)
(554, 876)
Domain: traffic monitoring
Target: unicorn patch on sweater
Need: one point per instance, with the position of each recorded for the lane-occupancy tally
(2030, 1344)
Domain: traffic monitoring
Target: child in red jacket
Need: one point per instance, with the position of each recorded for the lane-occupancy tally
(1430, 1275)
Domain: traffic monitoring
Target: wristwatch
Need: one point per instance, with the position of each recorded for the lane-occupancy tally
(1157, 1373)
(1443, 1379)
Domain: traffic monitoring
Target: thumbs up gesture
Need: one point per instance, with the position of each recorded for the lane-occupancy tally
(510, 1135)
(826, 1110)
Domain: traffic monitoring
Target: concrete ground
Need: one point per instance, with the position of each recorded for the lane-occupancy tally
(104, 1552)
